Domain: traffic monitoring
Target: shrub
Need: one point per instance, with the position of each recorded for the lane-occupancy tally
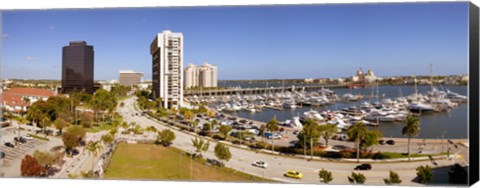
(39, 137)
(424, 174)
(393, 178)
(357, 178)
(325, 176)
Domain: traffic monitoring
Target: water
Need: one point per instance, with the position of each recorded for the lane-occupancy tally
(451, 124)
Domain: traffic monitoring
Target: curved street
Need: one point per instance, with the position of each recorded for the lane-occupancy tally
(277, 165)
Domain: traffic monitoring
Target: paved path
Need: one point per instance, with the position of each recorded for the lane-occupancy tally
(278, 165)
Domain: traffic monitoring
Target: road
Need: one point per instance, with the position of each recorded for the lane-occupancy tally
(242, 158)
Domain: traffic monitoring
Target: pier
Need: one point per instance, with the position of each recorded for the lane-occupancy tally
(246, 91)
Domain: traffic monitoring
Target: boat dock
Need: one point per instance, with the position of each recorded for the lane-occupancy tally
(273, 107)
(251, 91)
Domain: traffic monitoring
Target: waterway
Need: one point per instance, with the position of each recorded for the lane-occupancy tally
(452, 124)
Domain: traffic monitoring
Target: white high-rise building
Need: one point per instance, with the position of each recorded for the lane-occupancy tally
(202, 76)
(167, 68)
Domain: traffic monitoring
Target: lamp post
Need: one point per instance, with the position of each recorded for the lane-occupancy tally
(441, 141)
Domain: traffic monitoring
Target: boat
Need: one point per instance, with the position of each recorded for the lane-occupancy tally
(289, 105)
(312, 114)
(295, 123)
(420, 107)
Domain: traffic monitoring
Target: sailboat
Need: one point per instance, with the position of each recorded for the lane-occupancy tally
(418, 106)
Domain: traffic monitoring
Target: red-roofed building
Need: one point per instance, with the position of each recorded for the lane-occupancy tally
(19, 99)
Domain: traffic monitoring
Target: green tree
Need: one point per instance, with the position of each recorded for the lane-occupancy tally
(60, 124)
(46, 159)
(424, 174)
(371, 138)
(262, 130)
(357, 178)
(34, 113)
(309, 135)
(224, 129)
(72, 137)
(107, 139)
(151, 129)
(411, 129)
(272, 126)
(222, 152)
(93, 147)
(210, 114)
(357, 132)
(166, 137)
(86, 119)
(44, 123)
(188, 115)
(327, 131)
(200, 145)
(207, 128)
(393, 178)
(325, 175)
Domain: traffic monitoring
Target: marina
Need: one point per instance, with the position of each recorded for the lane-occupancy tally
(442, 110)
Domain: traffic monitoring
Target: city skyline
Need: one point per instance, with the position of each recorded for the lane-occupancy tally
(250, 42)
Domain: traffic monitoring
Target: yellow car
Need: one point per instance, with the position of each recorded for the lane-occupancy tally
(294, 174)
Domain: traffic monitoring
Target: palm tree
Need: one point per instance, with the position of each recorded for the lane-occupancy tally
(310, 130)
(200, 145)
(210, 114)
(262, 132)
(45, 122)
(411, 129)
(34, 114)
(93, 147)
(212, 125)
(327, 131)
(272, 126)
(357, 132)
(151, 129)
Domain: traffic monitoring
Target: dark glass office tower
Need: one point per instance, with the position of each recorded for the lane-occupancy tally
(77, 67)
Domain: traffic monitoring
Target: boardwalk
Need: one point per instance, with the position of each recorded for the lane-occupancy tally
(243, 91)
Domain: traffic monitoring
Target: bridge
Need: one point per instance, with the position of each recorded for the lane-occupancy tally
(251, 91)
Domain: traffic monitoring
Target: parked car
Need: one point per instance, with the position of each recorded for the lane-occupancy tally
(260, 164)
(390, 142)
(215, 162)
(8, 144)
(2, 154)
(296, 132)
(381, 142)
(293, 174)
(20, 139)
(364, 166)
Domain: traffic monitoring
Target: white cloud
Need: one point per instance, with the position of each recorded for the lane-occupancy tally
(5, 35)
(51, 27)
(30, 58)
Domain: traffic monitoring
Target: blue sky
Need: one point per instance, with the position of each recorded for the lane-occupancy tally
(259, 42)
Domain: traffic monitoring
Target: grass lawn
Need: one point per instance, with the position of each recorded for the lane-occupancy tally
(155, 162)
(102, 127)
(391, 155)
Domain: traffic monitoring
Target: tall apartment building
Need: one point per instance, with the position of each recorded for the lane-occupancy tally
(191, 76)
(167, 68)
(202, 76)
(129, 78)
(77, 67)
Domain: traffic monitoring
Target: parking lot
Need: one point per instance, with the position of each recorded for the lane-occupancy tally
(12, 154)
(10, 164)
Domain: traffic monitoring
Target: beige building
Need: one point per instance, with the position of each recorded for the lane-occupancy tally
(129, 77)
(362, 77)
(201, 76)
(167, 68)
